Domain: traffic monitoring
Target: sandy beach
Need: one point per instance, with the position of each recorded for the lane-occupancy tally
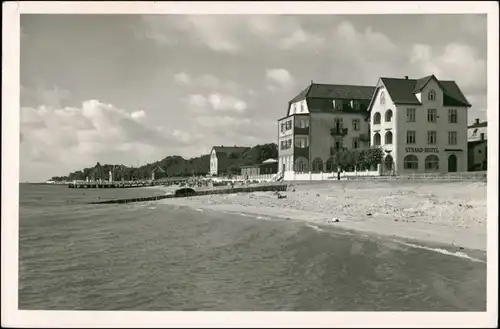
(451, 213)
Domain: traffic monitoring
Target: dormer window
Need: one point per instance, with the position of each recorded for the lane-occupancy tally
(432, 95)
(337, 104)
(382, 98)
(301, 107)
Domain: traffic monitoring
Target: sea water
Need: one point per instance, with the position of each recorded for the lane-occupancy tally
(149, 256)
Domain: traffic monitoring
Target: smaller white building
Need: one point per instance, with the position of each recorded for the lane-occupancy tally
(421, 124)
(477, 146)
(478, 131)
(223, 157)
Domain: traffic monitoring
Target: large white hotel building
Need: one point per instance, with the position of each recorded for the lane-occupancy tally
(421, 124)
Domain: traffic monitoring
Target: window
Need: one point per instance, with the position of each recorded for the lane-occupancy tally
(410, 115)
(330, 165)
(301, 164)
(388, 137)
(356, 106)
(301, 107)
(452, 137)
(317, 165)
(411, 137)
(432, 95)
(431, 137)
(452, 116)
(382, 98)
(431, 115)
(388, 116)
(355, 124)
(338, 123)
(431, 163)
(376, 139)
(337, 104)
(289, 125)
(301, 142)
(285, 145)
(301, 123)
(338, 145)
(411, 162)
(355, 143)
(282, 127)
(376, 118)
(474, 133)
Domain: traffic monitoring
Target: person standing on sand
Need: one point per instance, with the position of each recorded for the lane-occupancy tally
(338, 174)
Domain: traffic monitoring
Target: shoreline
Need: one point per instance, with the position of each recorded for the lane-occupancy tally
(452, 214)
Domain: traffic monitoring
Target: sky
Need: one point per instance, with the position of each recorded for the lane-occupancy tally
(131, 89)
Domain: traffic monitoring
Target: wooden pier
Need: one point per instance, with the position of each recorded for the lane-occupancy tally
(188, 192)
(126, 184)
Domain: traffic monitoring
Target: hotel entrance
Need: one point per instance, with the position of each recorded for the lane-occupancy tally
(388, 164)
(452, 163)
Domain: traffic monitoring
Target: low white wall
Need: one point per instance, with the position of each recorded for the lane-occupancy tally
(296, 176)
(255, 177)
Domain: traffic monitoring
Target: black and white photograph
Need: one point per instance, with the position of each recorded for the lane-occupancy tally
(290, 159)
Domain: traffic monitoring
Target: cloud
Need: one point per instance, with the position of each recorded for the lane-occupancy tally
(197, 101)
(231, 34)
(457, 62)
(216, 102)
(279, 78)
(298, 38)
(74, 137)
(182, 78)
(205, 81)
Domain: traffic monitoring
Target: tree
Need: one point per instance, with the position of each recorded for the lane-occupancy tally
(373, 157)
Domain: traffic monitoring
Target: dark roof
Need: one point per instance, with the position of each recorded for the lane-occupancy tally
(328, 91)
(402, 91)
(421, 83)
(230, 149)
(478, 125)
(302, 95)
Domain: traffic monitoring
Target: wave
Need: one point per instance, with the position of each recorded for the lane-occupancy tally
(261, 217)
(314, 227)
(445, 252)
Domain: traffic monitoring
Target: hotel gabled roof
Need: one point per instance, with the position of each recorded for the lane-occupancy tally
(403, 91)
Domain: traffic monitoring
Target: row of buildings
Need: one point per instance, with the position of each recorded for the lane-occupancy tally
(420, 124)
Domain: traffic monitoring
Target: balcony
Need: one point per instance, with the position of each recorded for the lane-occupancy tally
(301, 131)
(338, 131)
(301, 151)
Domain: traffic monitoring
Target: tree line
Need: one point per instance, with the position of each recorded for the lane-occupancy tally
(170, 166)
